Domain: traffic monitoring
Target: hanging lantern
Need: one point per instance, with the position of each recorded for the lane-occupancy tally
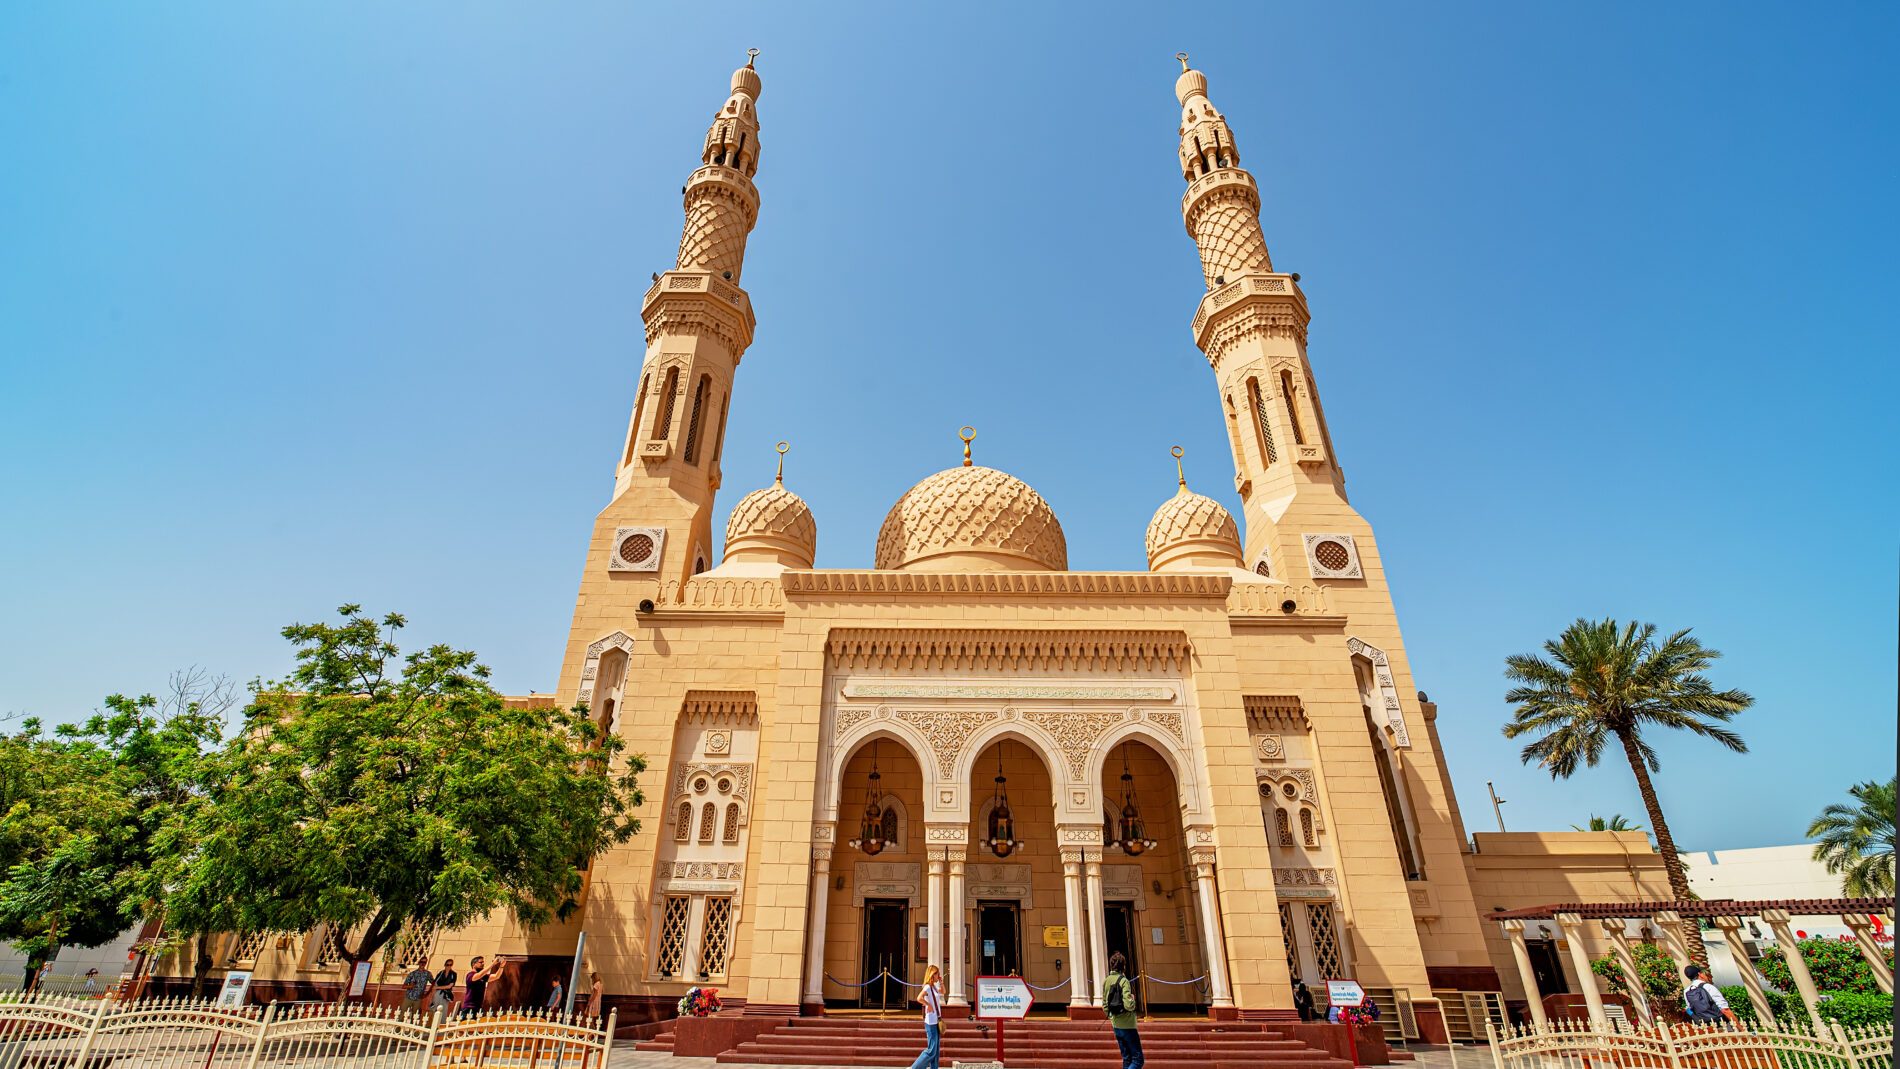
(871, 827)
(1132, 835)
(1002, 841)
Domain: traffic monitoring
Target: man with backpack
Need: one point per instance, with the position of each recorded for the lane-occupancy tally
(1704, 1000)
(1118, 1001)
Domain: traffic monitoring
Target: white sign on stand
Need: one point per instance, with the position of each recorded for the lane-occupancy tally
(1006, 997)
(1345, 993)
(237, 985)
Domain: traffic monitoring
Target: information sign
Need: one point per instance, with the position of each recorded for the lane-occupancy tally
(1345, 993)
(1007, 997)
(237, 986)
(359, 979)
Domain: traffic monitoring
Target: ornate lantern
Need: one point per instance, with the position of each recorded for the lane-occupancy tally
(1002, 841)
(1131, 834)
(871, 827)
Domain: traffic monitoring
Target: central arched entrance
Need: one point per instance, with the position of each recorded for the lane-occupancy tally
(877, 942)
(1149, 911)
(1013, 906)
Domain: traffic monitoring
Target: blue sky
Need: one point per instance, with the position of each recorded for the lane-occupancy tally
(303, 304)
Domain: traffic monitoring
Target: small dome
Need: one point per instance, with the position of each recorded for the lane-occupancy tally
(1192, 531)
(1190, 83)
(774, 525)
(746, 80)
(972, 519)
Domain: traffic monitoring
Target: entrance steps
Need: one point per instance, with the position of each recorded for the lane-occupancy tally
(1035, 1043)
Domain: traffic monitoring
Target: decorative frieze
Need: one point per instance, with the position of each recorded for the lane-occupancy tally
(1013, 650)
(1014, 691)
(1388, 690)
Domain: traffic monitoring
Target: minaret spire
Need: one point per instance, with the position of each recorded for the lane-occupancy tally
(699, 323)
(1252, 326)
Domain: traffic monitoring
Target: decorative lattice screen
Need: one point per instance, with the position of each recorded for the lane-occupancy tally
(673, 916)
(712, 940)
(1325, 938)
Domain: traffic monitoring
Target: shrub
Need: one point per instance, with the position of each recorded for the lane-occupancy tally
(1835, 964)
(1783, 1005)
(1856, 1007)
(1662, 977)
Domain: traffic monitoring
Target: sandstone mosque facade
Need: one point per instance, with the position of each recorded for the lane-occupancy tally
(1222, 766)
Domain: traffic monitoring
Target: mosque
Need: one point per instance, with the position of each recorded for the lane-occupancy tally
(963, 753)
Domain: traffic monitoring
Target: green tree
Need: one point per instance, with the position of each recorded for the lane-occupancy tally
(1615, 823)
(1600, 682)
(1856, 841)
(1661, 975)
(1835, 965)
(370, 790)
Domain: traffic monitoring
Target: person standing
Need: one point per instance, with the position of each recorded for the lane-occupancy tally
(557, 999)
(445, 988)
(932, 1001)
(416, 986)
(593, 994)
(478, 977)
(1118, 1001)
(1704, 1000)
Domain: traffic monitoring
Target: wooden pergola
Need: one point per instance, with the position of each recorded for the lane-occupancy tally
(1670, 919)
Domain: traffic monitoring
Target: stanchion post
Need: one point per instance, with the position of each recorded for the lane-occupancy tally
(1352, 1040)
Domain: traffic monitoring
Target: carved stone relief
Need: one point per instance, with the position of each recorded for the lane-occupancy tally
(887, 879)
(1075, 733)
(1388, 691)
(947, 730)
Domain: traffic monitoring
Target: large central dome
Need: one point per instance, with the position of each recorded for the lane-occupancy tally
(972, 519)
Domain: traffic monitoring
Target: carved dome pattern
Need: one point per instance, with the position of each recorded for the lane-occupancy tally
(775, 513)
(1190, 517)
(973, 509)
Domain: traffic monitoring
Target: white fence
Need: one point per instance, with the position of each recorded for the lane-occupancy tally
(42, 1032)
(1575, 1045)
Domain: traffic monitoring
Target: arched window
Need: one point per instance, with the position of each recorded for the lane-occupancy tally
(708, 818)
(1263, 568)
(1389, 783)
(664, 425)
(1261, 425)
(1292, 406)
(1282, 830)
(639, 409)
(692, 421)
(731, 834)
(1233, 435)
(888, 825)
(719, 440)
(683, 826)
(1306, 828)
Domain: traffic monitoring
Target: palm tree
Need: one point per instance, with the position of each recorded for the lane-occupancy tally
(1602, 681)
(1857, 840)
(1615, 823)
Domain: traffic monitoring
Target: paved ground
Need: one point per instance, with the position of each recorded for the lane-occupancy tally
(625, 1057)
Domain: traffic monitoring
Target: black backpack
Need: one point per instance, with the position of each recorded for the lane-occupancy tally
(1112, 999)
(1701, 1006)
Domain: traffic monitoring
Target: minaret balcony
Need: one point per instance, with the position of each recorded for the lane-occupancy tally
(1222, 180)
(699, 295)
(720, 179)
(1275, 301)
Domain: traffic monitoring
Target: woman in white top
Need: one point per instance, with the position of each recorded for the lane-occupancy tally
(932, 1001)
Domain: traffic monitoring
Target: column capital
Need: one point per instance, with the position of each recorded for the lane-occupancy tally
(1202, 855)
(955, 855)
(821, 856)
(1093, 859)
(1727, 924)
(1071, 857)
(1568, 921)
(1856, 921)
(1776, 918)
(1668, 916)
(1514, 927)
(1613, 926)
(936, 859)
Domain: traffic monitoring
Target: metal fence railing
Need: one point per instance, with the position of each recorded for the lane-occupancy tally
(57, 1032)
(1573, 1044)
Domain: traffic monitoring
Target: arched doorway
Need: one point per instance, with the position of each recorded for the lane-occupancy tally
(876, 905)
(1013, 905)
(1149, 907)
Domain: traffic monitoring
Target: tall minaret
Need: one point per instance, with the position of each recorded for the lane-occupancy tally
(1252, 326)
(698, 324)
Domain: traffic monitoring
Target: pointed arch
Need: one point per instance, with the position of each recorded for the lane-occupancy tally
(669, 399)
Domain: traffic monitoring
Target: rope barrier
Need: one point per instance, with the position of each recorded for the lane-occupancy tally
(1175, 983)
(867, 983)
(1054, 987)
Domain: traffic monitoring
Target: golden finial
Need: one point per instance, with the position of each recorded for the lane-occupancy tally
(1180, 474)
(1182, 56)
(751, 54)
(781, 447)
(968, 434)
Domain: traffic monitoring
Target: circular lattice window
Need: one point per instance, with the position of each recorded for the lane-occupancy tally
(636, 548)
(1290, 790)
(1332, 556)
(699, 785)
(725, 786)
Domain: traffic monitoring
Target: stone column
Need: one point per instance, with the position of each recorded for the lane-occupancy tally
(933, 907)
(959, 914)
(1669, 928)
(815, 929)
(1863, 930)
(1731, 929)
(1626, 961)
(1081, 980)
(1203, 859)
(1098, 930)
(1571, 925)
(1778, 920)
(1514, 931)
